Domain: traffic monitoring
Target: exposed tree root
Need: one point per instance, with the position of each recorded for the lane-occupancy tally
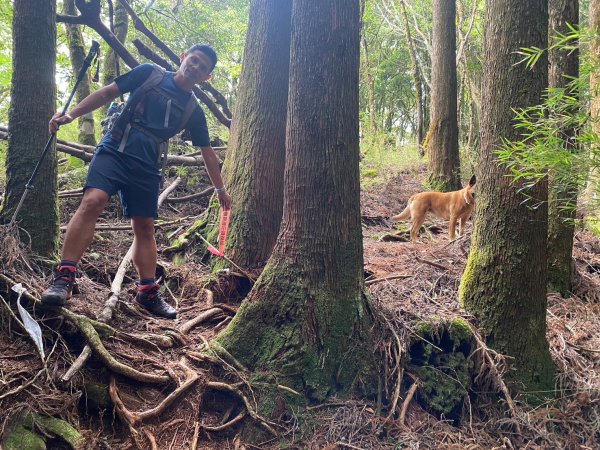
(133, 418)
(268, 426)
(204, 316)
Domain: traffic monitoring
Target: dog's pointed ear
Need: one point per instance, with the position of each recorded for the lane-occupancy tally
(472, 181)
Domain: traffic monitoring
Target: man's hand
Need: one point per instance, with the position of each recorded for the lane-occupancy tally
(224, 200)
(58, 120)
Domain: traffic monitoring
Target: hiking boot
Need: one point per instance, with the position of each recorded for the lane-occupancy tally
(61, 289)
(151, 301)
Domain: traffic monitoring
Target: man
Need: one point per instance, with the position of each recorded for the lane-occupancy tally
(127, 161)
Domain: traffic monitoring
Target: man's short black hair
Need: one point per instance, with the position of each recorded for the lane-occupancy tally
(207, 50)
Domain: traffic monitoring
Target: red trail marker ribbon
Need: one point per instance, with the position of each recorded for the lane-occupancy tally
(223, 230)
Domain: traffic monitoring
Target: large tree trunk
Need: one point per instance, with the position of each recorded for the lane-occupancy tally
(442, 140)
(78, 52)
(504, 284)
(562, 200)
(594, 19)
(32, 105)
(416, 73)
(306, 318)
(256, 151)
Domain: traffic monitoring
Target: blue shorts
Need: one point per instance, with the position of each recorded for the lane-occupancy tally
(137, 184)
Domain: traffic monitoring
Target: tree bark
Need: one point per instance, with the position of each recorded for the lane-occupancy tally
(562, 200)
(504, 284)
(306, 318)
(416, 73)
(33, 94)
(442, 141)
(255, 161)
(78, 53)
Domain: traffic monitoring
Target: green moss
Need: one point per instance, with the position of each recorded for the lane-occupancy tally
(275, 332)
(461, 332)
(22, 438)
(60, 428)
(478, 258)
(370, 173)
(440, 359)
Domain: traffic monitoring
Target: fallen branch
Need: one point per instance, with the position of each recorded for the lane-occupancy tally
(205, 193)
(140, 26)
(206, 315)
(388, 278)
(432, 263)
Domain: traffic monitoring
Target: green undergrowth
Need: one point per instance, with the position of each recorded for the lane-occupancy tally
(381, 159)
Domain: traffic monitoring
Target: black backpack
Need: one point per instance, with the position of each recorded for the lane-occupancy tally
(122, 121)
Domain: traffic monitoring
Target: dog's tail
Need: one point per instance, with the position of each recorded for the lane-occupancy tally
(404, 215)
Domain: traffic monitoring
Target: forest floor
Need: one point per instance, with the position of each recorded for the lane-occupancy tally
(407, 282)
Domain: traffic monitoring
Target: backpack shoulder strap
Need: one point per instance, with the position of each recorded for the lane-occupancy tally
(190, 106)
(154, 78)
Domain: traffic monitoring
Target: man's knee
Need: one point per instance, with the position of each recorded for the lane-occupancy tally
(143, 227)
(93, 202)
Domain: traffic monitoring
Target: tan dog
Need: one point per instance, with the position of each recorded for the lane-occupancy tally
(453, 206)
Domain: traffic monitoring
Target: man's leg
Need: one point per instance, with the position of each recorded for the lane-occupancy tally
(144, 258)
(80, 230)
(144, 246)
(78, 237)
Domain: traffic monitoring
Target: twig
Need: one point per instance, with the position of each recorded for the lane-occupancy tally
(196, 434)
(390, 277)
(431, 263)
(406, 402)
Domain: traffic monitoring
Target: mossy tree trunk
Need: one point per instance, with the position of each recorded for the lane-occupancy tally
(504, 284)
(306, 319)
(255, 160)
(562, 200)
(32, 104)
(442, 140)
(78, 53)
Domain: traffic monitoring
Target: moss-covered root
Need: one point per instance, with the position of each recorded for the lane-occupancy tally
(23, 435)
(440, 359)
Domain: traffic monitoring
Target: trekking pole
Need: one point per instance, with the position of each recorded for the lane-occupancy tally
(29, 186)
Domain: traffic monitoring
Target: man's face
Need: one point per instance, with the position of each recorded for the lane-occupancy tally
(196, 66)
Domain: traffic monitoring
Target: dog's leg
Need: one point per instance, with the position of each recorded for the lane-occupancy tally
(416, 226)
(452, 227)
(463, 222)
